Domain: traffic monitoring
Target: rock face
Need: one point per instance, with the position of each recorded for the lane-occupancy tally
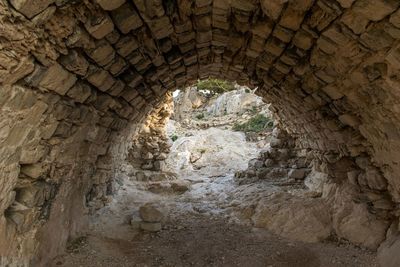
(388, 253)
(77, 76)
(209, 152)
(301, 219)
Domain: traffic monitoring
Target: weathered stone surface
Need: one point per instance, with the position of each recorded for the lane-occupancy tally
(297, 173)
(75, 62)
(150, 213)
(30, 8)
(150, 226)
(57, 79)
(388, 253)
(110, 5)
(180, 186)
(99, 27)
(126, 18)
(79, 92)
(375, 10)
(272, 9)
(353, 221)
(330, 69)
(282, 214)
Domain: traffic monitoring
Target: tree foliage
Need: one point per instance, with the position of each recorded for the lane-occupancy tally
(214, 86)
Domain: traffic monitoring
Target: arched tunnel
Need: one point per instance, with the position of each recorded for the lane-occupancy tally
(78, 76)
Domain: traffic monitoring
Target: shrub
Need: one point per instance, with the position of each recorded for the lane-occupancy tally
(173, 137)
(214, 86)
(256, 124)
(200, 116)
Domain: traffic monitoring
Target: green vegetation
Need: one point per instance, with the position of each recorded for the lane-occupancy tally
(256, 124)
(214, 86)
(200, 116)
(173, 137)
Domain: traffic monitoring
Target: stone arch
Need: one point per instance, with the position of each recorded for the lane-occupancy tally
(76, 76)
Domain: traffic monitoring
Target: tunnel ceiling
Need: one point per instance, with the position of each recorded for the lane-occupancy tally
(74, 73)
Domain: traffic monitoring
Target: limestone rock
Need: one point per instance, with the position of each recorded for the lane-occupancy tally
(30, 8)
(306, 220)
(110, 5)
(57, 79)
(297, 173)
(150, 226)
(180, 186)
(151, 213)
(388, 252)
(353, 222)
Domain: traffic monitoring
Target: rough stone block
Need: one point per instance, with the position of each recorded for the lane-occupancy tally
(80, 38)
(350, 120)
(346, 3)
(57, 79)
(161, 27)
(395, 19)
(375, 10)
(102, 54)
(297, 173)
(75, 62)
(99, 27)
(126, 18)
(14, 70)
(150, 9)
(150, 213)
(117, 88)
(272, 9)
(150, 227)
(303, 40)
(110, 4)
(32, 155)
(388, 252)
(79, 92)
(375, 179)
(30, 8)
(126, 45)
(100, 78)
(113, 37)
(34, 170)
(293, 15)
(117, 66)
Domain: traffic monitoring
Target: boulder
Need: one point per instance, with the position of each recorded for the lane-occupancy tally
(353, 221)
(150, 213)
(297, 173)
(180, 186)
(150, 227)
(302, 219)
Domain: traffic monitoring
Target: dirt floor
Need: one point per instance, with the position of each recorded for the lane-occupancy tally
(200, 229)
(199, 240)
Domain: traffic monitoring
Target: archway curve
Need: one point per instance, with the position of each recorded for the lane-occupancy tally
(76, 76)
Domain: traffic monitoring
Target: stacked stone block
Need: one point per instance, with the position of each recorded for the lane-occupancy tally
(92, 68)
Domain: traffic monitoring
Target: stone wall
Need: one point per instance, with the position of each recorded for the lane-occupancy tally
(75, 74)
(151, 145)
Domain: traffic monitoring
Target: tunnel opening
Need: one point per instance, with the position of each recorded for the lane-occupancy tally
(78, 77)
(217, 169)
